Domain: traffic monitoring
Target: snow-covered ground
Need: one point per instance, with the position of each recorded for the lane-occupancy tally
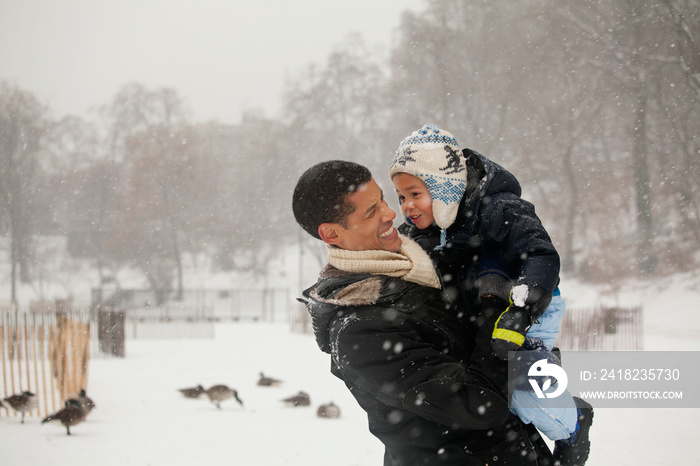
(142, 419)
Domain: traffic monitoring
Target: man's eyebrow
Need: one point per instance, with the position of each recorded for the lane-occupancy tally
(373, 207)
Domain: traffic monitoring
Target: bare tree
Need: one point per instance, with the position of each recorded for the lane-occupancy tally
(153, 223)
(249, 177)
(340, 109)
(682, 18)
(153, 149)
(650, 53)
(21, 124)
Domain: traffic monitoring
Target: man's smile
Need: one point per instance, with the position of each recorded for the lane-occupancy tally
(388, 232)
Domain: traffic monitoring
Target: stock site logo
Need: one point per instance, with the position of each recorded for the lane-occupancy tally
(542, 369)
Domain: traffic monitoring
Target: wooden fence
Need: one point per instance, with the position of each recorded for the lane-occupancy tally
(596, 329)
(173, 321)
(257, 304)
(602, 329)
(46, 351)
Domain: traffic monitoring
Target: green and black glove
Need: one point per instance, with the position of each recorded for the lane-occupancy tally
(512, 325)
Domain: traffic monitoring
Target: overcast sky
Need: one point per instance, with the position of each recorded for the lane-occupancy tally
(222, 56)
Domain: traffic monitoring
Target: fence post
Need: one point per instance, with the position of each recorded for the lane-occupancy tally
(111, 332)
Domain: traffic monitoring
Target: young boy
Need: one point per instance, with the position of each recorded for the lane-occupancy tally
(494, 255)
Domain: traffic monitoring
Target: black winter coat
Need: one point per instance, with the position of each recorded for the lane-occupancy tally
(496, 242)
(404, 354)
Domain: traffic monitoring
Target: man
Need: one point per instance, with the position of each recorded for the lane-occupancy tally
(394, 337)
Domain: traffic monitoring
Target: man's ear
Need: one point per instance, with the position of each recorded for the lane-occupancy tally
(330, 233)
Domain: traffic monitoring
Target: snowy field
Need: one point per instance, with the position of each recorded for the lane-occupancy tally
(142, 419)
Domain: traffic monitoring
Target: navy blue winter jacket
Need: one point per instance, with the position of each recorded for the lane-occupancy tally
(496, 242)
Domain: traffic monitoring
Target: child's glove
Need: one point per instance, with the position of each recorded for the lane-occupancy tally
(513, 323)
(533, 350)
(509, 332)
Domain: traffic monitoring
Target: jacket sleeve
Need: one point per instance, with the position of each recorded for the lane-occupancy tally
(510, 224)
(402, 370)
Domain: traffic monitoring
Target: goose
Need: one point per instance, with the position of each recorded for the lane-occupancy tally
(300, 399)
(219, 393)
(72, 414)
(85, 401)
(192, 392)
(24, 402)
(330, 411)
(264, 381)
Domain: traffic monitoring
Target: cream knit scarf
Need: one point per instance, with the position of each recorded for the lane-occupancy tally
(411, 263)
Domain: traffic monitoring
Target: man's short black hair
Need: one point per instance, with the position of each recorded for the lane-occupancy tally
(321, 194)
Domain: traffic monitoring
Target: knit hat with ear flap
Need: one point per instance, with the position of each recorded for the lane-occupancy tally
(434, 156)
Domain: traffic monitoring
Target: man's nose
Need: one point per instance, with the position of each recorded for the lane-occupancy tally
(388, 213)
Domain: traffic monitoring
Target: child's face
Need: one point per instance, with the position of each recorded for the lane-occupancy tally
(414, 198)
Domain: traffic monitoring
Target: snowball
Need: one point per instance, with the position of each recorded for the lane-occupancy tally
(519, 295)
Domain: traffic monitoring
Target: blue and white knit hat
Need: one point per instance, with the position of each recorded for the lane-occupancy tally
(434, 156)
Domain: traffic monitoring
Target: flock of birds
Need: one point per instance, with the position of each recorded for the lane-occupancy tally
(219, 393)
(75, 409)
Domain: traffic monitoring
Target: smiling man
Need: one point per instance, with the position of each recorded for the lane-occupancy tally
(394, 337)
(368, 227)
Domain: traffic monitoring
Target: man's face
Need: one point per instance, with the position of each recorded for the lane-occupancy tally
(370, 226)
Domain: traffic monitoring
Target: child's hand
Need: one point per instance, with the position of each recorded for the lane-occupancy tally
(533, 350)
(510, 329)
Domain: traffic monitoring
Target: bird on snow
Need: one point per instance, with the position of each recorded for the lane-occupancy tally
(192, 392)
(71, 414)
(264, 381)
(300, 399)
(219, 393)
(85, 401)
(24, 402)
(330, 411)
